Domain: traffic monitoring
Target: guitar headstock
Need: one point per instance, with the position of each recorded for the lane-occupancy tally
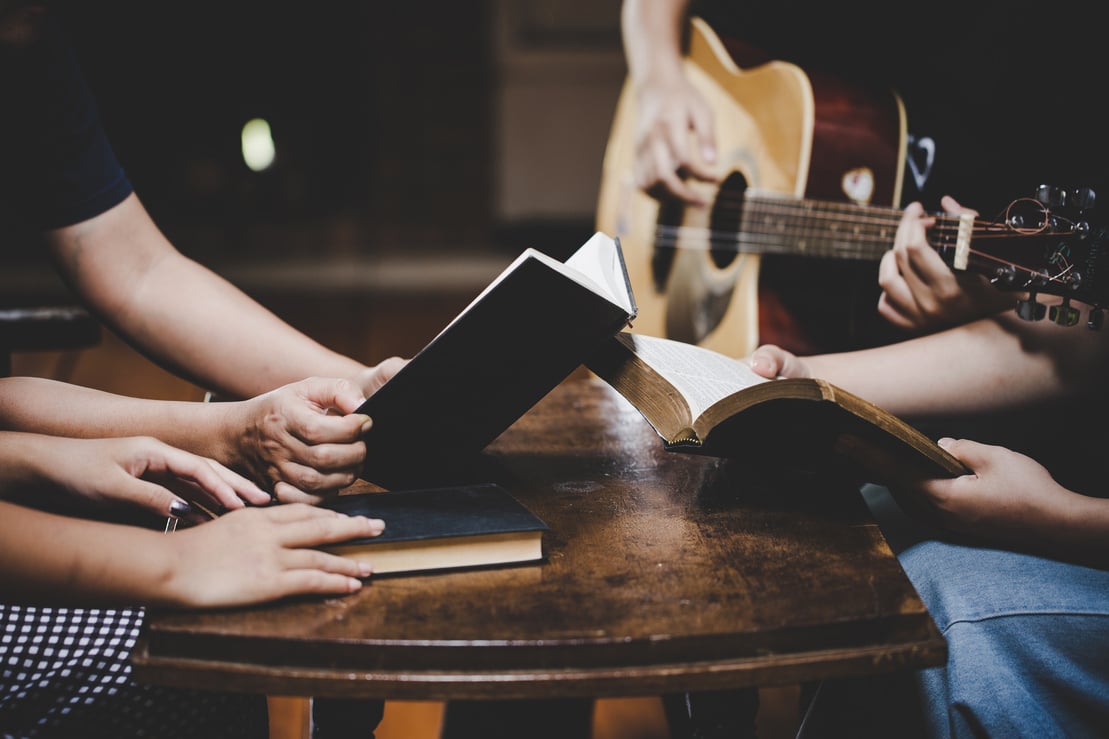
(1044, 244)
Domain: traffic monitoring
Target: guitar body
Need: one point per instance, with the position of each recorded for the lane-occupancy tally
(778, 130)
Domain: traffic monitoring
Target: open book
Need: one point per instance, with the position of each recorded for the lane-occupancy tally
(703, 402)
(442, 528)
(522, 335)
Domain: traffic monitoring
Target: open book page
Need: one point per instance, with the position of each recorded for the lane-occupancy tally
(701, 375)
(600, 262)
(597, 265)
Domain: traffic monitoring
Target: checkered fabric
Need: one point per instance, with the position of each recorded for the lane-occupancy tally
(65, 674)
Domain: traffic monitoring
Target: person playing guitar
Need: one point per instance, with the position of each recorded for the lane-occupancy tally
(975, 84)
(881, 120)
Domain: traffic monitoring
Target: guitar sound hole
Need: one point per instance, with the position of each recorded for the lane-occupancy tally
(725, 220)
(670, 215)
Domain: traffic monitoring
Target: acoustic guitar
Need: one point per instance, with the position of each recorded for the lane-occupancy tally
(782, 136)
(809, 173)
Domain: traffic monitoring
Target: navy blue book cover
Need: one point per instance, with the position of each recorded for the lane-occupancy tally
(435, 513)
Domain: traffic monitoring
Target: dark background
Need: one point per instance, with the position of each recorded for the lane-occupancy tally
(381, 112)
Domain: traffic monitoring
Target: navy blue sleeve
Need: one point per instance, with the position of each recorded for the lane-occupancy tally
(58, 166)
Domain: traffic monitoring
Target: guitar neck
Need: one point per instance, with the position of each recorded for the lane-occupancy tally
(820, 228)
(815, 228)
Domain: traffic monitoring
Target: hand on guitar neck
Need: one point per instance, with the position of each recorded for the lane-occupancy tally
(952, 268)
(920, 291)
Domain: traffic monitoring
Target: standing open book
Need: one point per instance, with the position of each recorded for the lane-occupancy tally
(526, 332)
(702, 402)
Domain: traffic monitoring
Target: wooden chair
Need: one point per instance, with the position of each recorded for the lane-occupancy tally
(44, 328)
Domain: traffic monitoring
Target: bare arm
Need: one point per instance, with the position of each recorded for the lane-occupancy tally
(127, 471)
(252, 555)
(300, 439)
(992, 364)
(249, 555)
(668, 107)
(183, 315)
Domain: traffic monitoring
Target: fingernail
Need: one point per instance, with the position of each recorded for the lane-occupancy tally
(367, 424)
(179, 508)
(377, 525)
(365, 569)
(353, 584)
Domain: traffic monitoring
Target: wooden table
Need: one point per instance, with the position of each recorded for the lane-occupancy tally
(664, 573)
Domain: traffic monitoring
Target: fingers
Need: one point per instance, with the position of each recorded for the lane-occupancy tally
(331, 393)
(372, 379)
(286, 493)
(320, 468)
(896, 303)
(244, 488)
(952, 206)
(155, 498)
(211, 479)
(674, 127)
(274, 550)
(310, 423)
(680, 144)
(309, 526)
(772, 361)
(301, 581)
(293, 436)
(704, 128)
(973, 454)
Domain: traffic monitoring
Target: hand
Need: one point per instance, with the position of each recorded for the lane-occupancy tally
(772, 361)
(373, 378)
(920, 292)
(1008, 497)
(140, 471)
(302, 439)
(262, 554)
(668, 112)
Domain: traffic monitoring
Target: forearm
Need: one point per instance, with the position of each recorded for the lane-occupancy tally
(1078, 531)
(652, 33)
(54, 559)
(181, 314)
(994, 364)
(54, 408)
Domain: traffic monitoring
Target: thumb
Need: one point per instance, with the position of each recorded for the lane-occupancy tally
(971, 453)
(333, 393)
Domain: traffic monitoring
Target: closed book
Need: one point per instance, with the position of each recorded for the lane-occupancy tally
(442, 528)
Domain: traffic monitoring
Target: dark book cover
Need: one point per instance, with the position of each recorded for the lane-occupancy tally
(438, 513)
(489, 366)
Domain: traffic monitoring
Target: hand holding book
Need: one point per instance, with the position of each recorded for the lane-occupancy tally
(702, 402)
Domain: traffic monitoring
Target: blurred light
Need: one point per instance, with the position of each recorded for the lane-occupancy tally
(258, 148)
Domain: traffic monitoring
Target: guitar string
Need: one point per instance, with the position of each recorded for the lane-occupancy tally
(870, 235)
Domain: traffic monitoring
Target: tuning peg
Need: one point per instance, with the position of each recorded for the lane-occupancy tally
(1064, 314)
(1029, 309)
(1051, 196)
(1095, 319)
(1084, 198)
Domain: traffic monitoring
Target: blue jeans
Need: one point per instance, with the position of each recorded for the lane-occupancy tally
(1028, 637)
